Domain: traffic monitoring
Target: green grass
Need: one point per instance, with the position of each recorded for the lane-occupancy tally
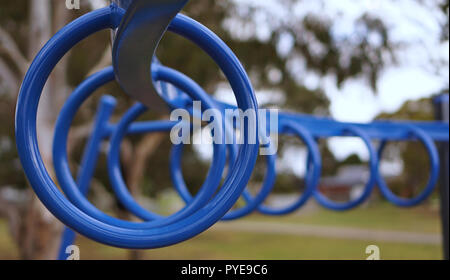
(8, 248)
(232, 246)
(216, 244)
(382, 216)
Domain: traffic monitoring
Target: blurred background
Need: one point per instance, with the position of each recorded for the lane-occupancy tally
(353, 60)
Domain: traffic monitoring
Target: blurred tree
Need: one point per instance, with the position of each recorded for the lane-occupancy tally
(352, 160)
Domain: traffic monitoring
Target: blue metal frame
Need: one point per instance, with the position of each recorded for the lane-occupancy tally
(205, 209)
(286, 124)
(106, 230)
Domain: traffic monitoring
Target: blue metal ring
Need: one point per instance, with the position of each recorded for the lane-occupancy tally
(214, 175)
(91, 154)
(434, 172)
(89, 160)
(313, 175)
(59, 205)
(180, 185)
(251, 203)
(373, 165)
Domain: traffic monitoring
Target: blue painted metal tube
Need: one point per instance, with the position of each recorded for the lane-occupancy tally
(214, 175)
(327, 127)
(441, 108)
(252, 203)
(112, 233)
(146, 127)
(373, 168)
(314, 169)
(377, 130)
(88, 163)
(82, 92)
(402, 128)
(417, 134)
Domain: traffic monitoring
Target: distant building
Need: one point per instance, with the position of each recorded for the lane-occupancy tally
(347, 184)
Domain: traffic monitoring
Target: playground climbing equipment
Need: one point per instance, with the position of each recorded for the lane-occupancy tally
(137, 27)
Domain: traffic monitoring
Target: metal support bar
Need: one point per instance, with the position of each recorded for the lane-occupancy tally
(89, 161)
(442, 113)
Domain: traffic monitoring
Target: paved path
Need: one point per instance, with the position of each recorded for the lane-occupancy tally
(330, 232)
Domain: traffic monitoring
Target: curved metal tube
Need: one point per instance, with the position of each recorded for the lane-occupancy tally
(135, 43)
(426, 140)
(100, 226)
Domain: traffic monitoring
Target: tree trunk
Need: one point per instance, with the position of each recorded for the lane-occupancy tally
(36, 231)
(40, 231)
(135, 172)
